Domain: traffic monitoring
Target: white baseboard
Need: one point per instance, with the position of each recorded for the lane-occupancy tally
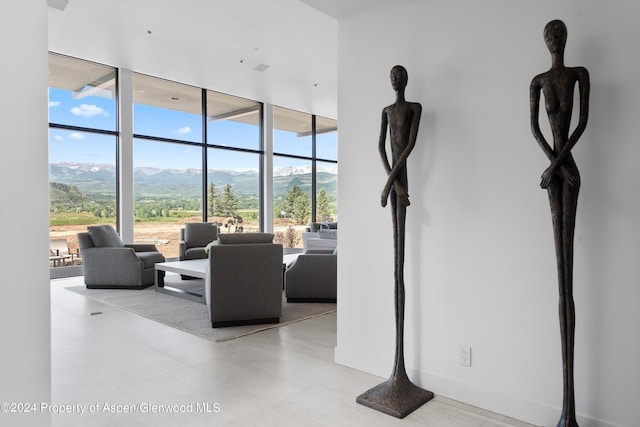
(536, 413)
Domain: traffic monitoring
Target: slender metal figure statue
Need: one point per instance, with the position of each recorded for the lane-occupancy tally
(562, 181)
(398, 396)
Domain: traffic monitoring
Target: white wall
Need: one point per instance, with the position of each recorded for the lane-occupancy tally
(480, 266)
(25, 349)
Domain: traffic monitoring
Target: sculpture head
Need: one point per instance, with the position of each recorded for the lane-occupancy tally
(555, 36)
(399, 77)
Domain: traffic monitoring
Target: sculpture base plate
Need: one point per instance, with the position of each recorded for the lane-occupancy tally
(395, 398)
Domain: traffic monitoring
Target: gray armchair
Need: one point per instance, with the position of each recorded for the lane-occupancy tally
(110, 264)
(243, 285)
(194, 237)
(312, 277)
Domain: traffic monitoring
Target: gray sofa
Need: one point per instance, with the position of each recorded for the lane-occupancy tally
(243, 284)
(320, 236)
(312, 277)
(110, 264)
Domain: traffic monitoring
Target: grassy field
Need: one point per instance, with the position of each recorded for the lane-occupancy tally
(72, 218)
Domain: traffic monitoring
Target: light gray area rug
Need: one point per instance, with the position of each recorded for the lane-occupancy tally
(192, 317)
(66, 271)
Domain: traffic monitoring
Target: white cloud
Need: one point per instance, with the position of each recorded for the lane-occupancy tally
(54, 104)
(58, 138)
(76, 135)
(86, 110)
(184, 130)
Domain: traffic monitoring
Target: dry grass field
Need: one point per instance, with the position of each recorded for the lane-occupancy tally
(165, 235)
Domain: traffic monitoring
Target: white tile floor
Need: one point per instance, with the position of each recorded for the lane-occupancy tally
(118, 361)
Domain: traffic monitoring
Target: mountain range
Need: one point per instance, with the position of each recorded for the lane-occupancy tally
(99, 179)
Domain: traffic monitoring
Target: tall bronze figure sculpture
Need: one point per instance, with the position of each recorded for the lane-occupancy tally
(398, 396)
(562, 181)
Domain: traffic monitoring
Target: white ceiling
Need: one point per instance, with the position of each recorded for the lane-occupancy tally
(216, 44)
(341, 8)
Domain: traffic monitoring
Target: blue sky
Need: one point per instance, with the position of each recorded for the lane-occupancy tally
(100, 113)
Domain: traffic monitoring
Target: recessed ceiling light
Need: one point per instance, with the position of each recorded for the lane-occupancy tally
(261, 67)
(149, 32)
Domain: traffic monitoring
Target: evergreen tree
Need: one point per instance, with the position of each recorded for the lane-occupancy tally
(213, 200)
(228, 202)
(292, 196)
(302, 209)
(322, 206)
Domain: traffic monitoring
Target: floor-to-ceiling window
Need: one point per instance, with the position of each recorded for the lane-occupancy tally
(326, 171)
(167, 160)
(198, 155)
(234, 156)
(298, 188)
(83, 135)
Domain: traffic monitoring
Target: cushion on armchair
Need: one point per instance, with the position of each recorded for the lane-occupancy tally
(104, 236)
(149, 259)
(199, 234)
(195, 253)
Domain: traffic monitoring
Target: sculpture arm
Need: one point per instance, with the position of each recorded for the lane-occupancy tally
(383, 153)
(401, 161)
(584, 86)
(534, 106)
(534, 96)
(413, 135)
(558, 163)
(381, 141)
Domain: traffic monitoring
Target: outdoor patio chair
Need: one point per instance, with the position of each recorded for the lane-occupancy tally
(59, 252)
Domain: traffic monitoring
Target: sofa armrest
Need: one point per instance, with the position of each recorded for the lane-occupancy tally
(182, 249)
(306, 236)
(312, 277)
(314, 265)
(99, 263)
(143, 247)
(321, 244)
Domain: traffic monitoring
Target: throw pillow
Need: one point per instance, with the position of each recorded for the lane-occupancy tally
(228, 238)
(207, 248)
(104, 236)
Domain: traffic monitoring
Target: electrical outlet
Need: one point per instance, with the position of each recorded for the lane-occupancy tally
(465, 355)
